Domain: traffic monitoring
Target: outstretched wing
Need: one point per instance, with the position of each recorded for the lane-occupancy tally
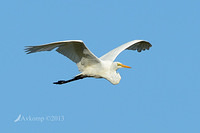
(138, 45)
(73, 49)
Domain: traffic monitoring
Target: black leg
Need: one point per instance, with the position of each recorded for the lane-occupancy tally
(66, 81)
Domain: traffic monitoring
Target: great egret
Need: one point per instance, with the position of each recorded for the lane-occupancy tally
(88, 64)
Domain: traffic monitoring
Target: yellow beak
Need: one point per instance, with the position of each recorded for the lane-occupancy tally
(124, 66)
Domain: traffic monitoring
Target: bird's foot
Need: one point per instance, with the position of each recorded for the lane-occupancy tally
(60, 82)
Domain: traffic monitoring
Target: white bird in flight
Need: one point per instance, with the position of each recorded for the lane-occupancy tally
(88, 64)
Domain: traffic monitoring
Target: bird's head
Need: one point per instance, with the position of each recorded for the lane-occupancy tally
(118, 65)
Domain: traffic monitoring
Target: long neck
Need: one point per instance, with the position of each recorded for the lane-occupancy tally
(115, 78)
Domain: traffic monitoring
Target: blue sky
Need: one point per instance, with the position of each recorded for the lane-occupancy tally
(161, 92)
